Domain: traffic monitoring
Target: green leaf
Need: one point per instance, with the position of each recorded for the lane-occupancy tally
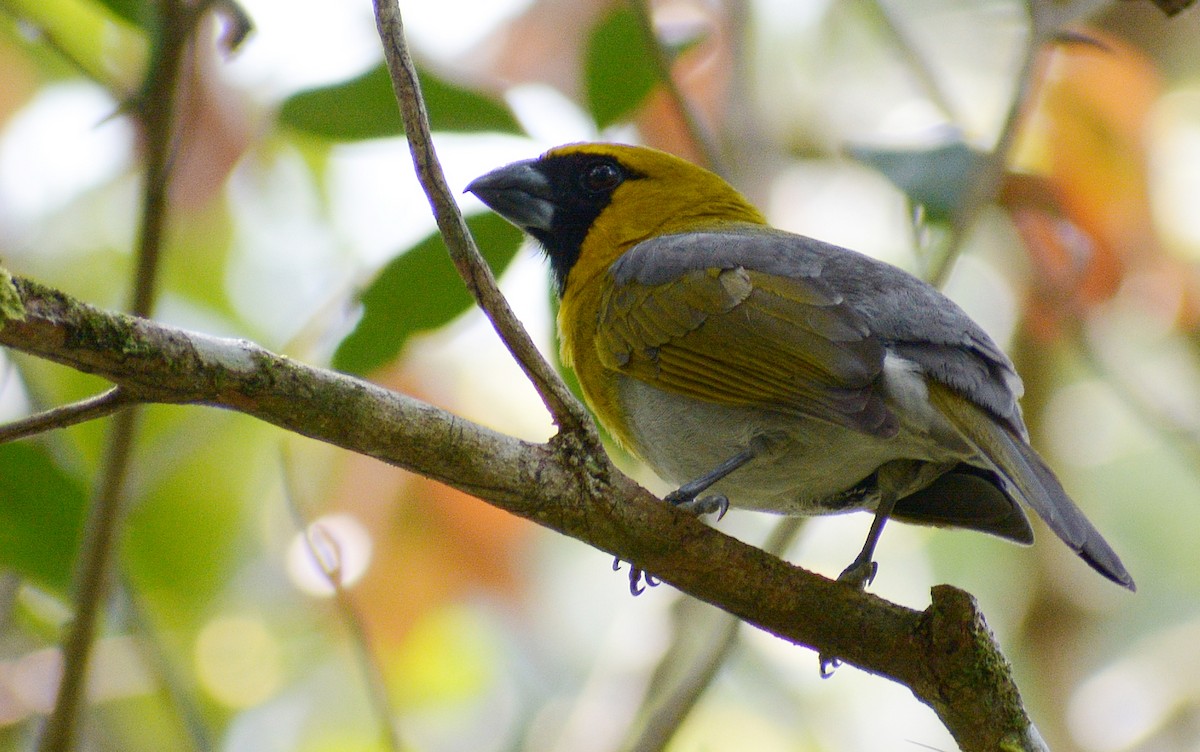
(365, 107)
(136, 12)
(94, 38)
(417, 291)
(619, 69)
(42, 512)
(936, 177)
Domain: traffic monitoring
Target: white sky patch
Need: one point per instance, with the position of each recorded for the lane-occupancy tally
(790, 14)
(985, 295)
(301, 44)
(60, 145)
(846, 204)
(376, 203)
(14, 402)
(452, 27)
(378, 206)
(1175, 169)
(286, 262)
(549, 116)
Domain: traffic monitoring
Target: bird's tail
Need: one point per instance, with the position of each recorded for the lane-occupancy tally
(1029, 481)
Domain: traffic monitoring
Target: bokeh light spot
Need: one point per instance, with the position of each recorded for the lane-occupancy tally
(447, 657)
(334, 548)
(238, 661)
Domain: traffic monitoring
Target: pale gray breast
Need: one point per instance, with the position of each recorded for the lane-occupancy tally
(805, 463)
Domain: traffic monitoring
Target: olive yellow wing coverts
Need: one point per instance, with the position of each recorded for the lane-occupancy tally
(783, 308)
(735, 335)
(742, 337)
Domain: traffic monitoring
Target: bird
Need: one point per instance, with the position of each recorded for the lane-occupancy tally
(766, 370)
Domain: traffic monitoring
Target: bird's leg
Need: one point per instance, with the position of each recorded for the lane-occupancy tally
(685, 497)
(862, 570)
(688, 497)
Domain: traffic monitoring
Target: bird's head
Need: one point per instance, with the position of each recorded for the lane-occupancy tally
(591, 202)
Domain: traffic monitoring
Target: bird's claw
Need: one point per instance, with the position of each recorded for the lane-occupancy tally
(713, 504)
(639, 579)
(859, 574)
(828, 665)
(637, 576)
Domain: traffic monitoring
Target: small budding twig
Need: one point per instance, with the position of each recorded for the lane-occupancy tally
(326, 553)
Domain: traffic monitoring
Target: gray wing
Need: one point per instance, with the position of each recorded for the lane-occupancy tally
(911, 317)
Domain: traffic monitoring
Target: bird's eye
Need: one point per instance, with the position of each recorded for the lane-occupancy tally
(601, 177)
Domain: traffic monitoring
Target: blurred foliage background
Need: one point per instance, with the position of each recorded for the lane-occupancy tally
(295, 221)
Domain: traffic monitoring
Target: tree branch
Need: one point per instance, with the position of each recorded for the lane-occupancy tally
(566, 411)
(100, 406)
(945, 655)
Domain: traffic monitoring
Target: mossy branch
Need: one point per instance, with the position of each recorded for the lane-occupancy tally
(944, 654)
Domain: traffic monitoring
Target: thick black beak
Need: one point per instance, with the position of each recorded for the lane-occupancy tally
(520, 193)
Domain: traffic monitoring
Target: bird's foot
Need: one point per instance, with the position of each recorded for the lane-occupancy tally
(714, 504)
(828, 665)
(717, 504)
(637, 576)
(859, 574)
(639, 580)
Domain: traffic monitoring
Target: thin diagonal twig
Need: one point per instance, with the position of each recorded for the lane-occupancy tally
(985, 183)
(157, 109)
(566, 411)
(177, 692)
(99, 406)
(917, 63)
(91, 585)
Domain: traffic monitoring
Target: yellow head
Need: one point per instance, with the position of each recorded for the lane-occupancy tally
(589, 203)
